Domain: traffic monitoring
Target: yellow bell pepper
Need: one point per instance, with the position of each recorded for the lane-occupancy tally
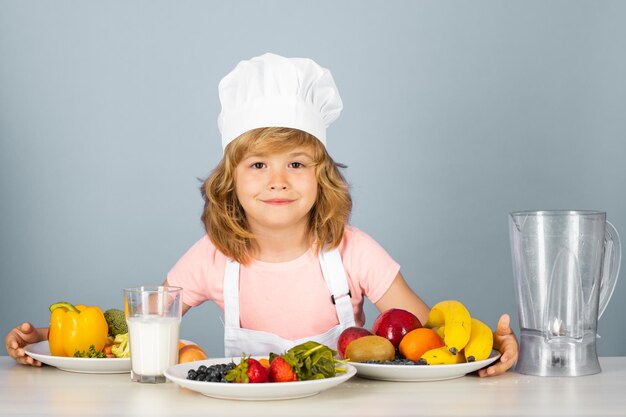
(72, 331)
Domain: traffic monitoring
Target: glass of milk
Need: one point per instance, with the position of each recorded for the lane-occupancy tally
(153, 314)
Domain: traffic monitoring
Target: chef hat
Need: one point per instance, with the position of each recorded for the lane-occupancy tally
(274, 91)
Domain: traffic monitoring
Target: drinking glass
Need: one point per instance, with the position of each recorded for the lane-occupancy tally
(153, 314)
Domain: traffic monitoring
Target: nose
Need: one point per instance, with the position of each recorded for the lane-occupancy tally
(278, 180)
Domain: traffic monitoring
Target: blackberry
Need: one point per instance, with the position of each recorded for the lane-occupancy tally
(397, 361)
(212, 373)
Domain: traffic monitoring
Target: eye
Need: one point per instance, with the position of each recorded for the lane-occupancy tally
(296, 165)
(257, 165)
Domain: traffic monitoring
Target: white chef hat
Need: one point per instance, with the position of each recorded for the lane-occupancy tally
(274, 91)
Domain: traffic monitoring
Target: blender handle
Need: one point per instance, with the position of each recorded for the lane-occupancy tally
(610, 267)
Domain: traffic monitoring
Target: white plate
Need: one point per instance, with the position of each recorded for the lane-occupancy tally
(266, 391)
(41, 352)
(420, 372)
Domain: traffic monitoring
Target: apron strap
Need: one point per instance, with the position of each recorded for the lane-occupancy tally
(337, 281)
(231, 294)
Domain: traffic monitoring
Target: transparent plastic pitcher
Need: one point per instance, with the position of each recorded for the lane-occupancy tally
(566, 265)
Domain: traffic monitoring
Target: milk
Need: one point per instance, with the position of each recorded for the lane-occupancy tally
(153, 344)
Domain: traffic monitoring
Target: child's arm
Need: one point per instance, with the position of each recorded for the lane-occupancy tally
(400, 295)
(21, 336)
(185, 306)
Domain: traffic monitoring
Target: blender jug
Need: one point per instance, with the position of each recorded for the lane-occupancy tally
(566, 264)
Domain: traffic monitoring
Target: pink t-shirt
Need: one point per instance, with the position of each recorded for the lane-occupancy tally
(290, 299)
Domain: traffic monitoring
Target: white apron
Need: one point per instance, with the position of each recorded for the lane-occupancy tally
(238, 341)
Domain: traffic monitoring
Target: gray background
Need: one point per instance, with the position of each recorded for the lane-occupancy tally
(456, 113)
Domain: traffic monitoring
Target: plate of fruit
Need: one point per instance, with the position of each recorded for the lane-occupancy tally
(302, 371)
(449, 345)
(401, 369)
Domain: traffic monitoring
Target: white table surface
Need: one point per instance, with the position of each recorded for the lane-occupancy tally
(48, 391)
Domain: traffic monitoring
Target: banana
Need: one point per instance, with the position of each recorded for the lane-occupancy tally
(480, 343)
(442, 356)
(457, 321)
(441, 331)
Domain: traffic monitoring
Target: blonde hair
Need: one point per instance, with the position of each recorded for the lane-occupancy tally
(224, 218)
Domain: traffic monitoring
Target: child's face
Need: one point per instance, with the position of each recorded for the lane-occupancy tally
(277, 190)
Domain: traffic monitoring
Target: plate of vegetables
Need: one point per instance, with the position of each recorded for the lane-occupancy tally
(84, 339)
(305, 370)
(93, 365)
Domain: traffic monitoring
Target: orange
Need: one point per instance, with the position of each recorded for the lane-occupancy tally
(191, 353)
(180, 344)
(416, 342)
(265, 362)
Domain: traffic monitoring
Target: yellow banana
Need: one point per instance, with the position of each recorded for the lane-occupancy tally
(442, 356)
(457, 321)
(441, 331)
(480, 343)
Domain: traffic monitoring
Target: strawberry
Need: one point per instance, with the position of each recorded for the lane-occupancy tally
(248, 371)
(281, 371)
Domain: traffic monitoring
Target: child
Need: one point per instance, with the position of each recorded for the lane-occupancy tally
(279, 256)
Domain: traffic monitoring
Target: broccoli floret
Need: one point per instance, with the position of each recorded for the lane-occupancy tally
(117, 321)
(91, 353)
(121, 348)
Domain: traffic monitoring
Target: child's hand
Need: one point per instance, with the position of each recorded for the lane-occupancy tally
(19, 337)
(504, 340)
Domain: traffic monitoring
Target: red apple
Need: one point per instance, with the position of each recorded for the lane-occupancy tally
(394, 323)
(348, 335)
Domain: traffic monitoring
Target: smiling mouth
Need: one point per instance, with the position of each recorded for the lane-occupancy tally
(278, 201)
